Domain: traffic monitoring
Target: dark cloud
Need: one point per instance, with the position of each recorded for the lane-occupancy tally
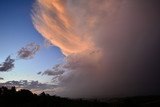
(26, 52)
(7, 65)
(39, 73)
(1, 78)
(56, 70)
(29, 51)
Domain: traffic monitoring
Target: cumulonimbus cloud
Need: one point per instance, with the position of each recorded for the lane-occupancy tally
(111, 46)
(58, 28)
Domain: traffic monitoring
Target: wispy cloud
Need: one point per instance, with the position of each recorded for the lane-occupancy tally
(53, 21)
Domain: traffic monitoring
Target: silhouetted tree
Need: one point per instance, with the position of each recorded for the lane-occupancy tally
(42, 94)
(4, 91)
(13, 91)
(24, 92)
(9, 97)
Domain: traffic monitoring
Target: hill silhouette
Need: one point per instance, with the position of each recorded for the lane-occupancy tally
(25, 98)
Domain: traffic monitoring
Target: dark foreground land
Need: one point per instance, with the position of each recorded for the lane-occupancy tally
(25, 98)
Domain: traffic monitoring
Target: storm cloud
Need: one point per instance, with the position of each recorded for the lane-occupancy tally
(111, 46)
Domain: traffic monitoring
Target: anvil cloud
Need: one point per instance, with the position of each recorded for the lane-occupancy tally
(111, 46)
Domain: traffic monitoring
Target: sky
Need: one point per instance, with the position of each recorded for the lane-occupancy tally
(81, 48)
(16, 31)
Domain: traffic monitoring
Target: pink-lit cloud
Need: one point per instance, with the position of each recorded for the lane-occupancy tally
(109, 45)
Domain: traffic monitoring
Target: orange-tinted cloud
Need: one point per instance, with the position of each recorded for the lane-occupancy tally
(111, 46)
(52, 20)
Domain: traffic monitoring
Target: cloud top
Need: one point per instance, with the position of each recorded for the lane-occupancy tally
(52, 20)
